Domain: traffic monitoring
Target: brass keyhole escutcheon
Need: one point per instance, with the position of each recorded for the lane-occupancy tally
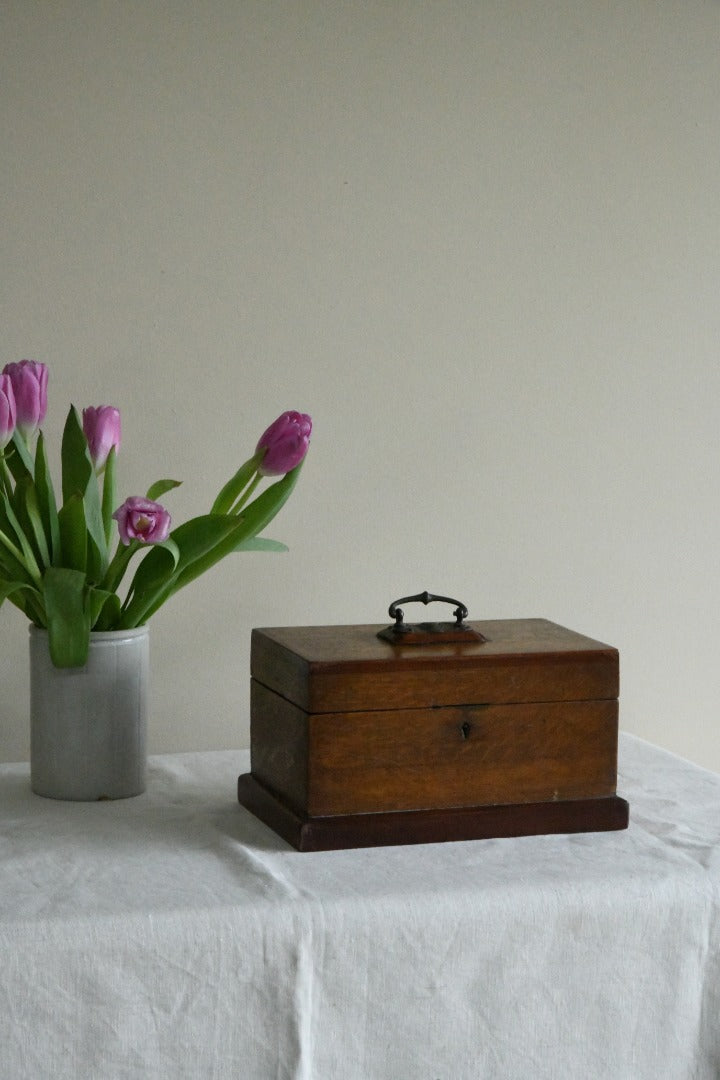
(465, 729)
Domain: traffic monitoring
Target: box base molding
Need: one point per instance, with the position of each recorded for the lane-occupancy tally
(306, 833)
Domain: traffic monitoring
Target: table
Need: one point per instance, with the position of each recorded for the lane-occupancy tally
(174, 936)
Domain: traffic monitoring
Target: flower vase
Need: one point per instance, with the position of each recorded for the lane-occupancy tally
(88, 724)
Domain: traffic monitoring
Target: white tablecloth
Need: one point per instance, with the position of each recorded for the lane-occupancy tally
(175, 936)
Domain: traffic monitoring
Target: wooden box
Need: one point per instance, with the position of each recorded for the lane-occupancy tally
(361, 741)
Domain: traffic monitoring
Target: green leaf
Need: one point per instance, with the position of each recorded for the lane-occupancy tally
(103, 608)
(23, 548)
(18, 457)
(109, 615)
(263, 509)
(46, 499)
(260, 543)
(118, 565)
(160, 487)
(77, 466)
(8, 589)
(171, 546)
(11, 569)
(10, 565)
(68, 619)
(14, 571)
(73, 533)
(28, 515)
(9, 545)
(97, 542)
(120, 560)
(231, 492)
(157, 571)
(97, 561)
(109, 499)
(252, 520)
(78, 477)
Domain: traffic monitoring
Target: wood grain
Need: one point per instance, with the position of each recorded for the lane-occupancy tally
(429, 826)
(412, 759)
(347, 668)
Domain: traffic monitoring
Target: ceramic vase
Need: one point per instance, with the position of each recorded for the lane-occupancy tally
(88, 725)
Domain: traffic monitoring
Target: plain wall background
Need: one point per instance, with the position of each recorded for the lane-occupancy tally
(478, 241)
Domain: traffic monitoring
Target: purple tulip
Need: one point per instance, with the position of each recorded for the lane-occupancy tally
(142, 519)
(285, 443)
(7, 411)
(29, 382)
(101, 425)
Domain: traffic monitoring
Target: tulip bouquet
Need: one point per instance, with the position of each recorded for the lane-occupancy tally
(57, 563)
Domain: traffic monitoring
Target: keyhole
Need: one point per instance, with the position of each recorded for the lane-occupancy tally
(465, 729)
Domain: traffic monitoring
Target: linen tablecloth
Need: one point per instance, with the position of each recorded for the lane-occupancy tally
(175, 936)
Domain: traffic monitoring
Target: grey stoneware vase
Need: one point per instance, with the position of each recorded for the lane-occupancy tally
(88, 725)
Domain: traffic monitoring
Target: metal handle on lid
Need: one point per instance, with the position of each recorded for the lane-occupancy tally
(395, 611)
(402, 633)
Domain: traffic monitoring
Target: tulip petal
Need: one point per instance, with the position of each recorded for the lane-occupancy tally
(143, 520)
(285, 443)
(101, 427)
(29, 380)
(8, 411)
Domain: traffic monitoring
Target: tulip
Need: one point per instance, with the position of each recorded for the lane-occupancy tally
(142, 519)
(7, 411)
(101, 425)
(29, 382)
(285, 443)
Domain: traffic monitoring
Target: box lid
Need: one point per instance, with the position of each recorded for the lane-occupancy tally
(349, 668)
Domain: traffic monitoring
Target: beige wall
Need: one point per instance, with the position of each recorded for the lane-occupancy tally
(479, 241)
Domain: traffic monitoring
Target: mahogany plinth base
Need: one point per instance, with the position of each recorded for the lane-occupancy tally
(429, 826)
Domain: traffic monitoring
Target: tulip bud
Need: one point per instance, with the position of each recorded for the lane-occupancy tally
(101, 425)
(142, 519)
(7, 411)
(285, 443)
(29, 382)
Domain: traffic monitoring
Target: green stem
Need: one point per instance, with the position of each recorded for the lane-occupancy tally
(6, 477)
(118, 566)
(108, 495)
(246, 494)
